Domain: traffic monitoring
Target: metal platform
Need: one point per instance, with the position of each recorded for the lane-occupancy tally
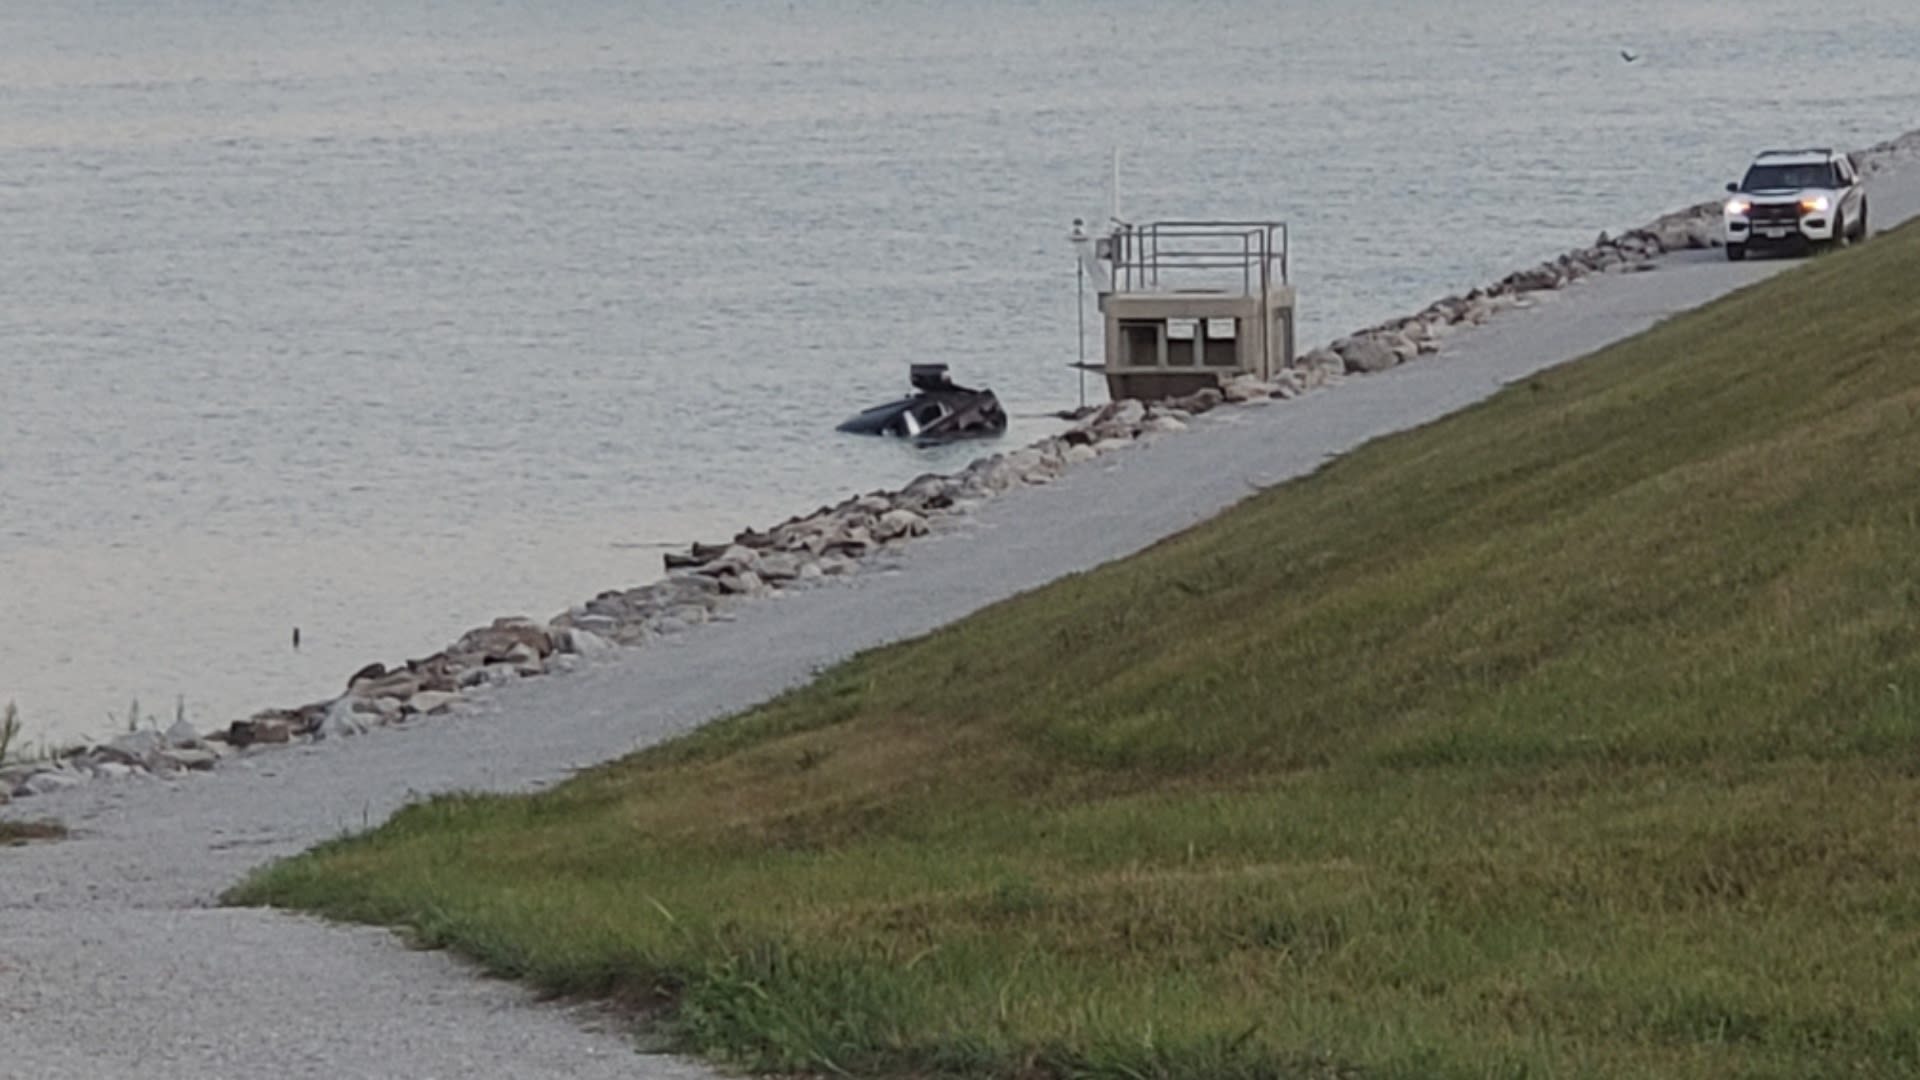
(1188, 303)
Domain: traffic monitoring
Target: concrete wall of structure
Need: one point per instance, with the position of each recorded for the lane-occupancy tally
(1139, 342)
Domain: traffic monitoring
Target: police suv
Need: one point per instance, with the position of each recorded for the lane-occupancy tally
(1800, 199)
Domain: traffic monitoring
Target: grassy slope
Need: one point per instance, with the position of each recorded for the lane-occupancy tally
(1574, 735)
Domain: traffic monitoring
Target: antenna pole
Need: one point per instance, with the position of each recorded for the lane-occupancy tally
(1080, 297)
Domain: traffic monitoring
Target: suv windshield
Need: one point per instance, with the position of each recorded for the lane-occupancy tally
(1789, 177)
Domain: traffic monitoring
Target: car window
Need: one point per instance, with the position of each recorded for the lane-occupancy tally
(1789, 177)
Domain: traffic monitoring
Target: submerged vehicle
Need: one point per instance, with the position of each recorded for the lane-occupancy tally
(939, 410)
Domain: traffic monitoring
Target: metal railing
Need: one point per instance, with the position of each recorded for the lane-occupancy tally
(1145, 257)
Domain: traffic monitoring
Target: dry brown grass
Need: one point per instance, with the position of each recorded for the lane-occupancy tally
(15, 833)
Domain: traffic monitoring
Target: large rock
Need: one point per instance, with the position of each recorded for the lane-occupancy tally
(633, 635)
(388, 709)
(850, 540)
(989, 475)
(431, 702)
(734, 560)
(400, 684)
(684, 588)
(1367, 355)
(743, 583)
(526, 660)
(1323, 359)
(1205, 399)
(182, 734)
(133, 748)
(491, 644)
(1538, 279)
(260, 730)
(813, 537)
(583, 642)
(751, 538)
(1244, 388)
(340, 721)
(778, 567)
(899, 524)
(46, 783)
(929, 491)
(491, 675)
(695, 614)
(440, 671)
(1033, 464)
(698, 555)
(605, 625)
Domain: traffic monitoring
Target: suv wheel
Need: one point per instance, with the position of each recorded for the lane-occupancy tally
(1736, 252)
(1841, 233)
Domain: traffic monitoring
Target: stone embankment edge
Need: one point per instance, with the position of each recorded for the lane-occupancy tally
(711, 582)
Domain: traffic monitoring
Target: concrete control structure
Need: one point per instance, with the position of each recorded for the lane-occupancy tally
(1187, 304)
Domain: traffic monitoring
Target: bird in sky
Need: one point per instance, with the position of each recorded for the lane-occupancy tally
(1628, 56)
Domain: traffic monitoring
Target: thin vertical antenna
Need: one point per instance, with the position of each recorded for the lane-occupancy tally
(1082, 246)
(1080, 297)
(1116, 185)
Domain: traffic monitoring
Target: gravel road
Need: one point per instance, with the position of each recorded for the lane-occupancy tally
(115, 963)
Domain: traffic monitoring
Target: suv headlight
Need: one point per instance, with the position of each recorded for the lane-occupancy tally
(1739, 207)
(1816, 205)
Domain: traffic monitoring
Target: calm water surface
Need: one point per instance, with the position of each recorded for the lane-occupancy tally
(384, 319)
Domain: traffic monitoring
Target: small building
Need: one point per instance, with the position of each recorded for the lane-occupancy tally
(1188, 304)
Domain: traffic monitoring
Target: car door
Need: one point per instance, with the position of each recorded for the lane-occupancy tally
(1852, 193)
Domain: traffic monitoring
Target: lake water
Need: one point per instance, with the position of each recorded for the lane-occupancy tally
(382, 319)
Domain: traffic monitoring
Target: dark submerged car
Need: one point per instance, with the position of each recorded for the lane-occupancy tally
(939, 410)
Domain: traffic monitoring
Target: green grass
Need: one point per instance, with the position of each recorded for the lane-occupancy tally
(1575, 735)
(15, 833)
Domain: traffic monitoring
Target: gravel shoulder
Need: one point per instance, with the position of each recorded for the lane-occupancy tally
(115, 961)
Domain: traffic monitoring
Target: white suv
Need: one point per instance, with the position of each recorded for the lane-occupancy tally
(1796, 198)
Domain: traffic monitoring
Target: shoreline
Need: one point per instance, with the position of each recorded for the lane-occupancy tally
(714, 582)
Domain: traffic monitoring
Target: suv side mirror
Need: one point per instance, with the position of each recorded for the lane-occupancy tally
(1733, 186)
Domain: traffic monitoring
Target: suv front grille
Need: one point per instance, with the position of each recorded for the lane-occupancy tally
(1775, 216)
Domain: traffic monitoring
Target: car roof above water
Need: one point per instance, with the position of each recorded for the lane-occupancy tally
(1793, 157)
